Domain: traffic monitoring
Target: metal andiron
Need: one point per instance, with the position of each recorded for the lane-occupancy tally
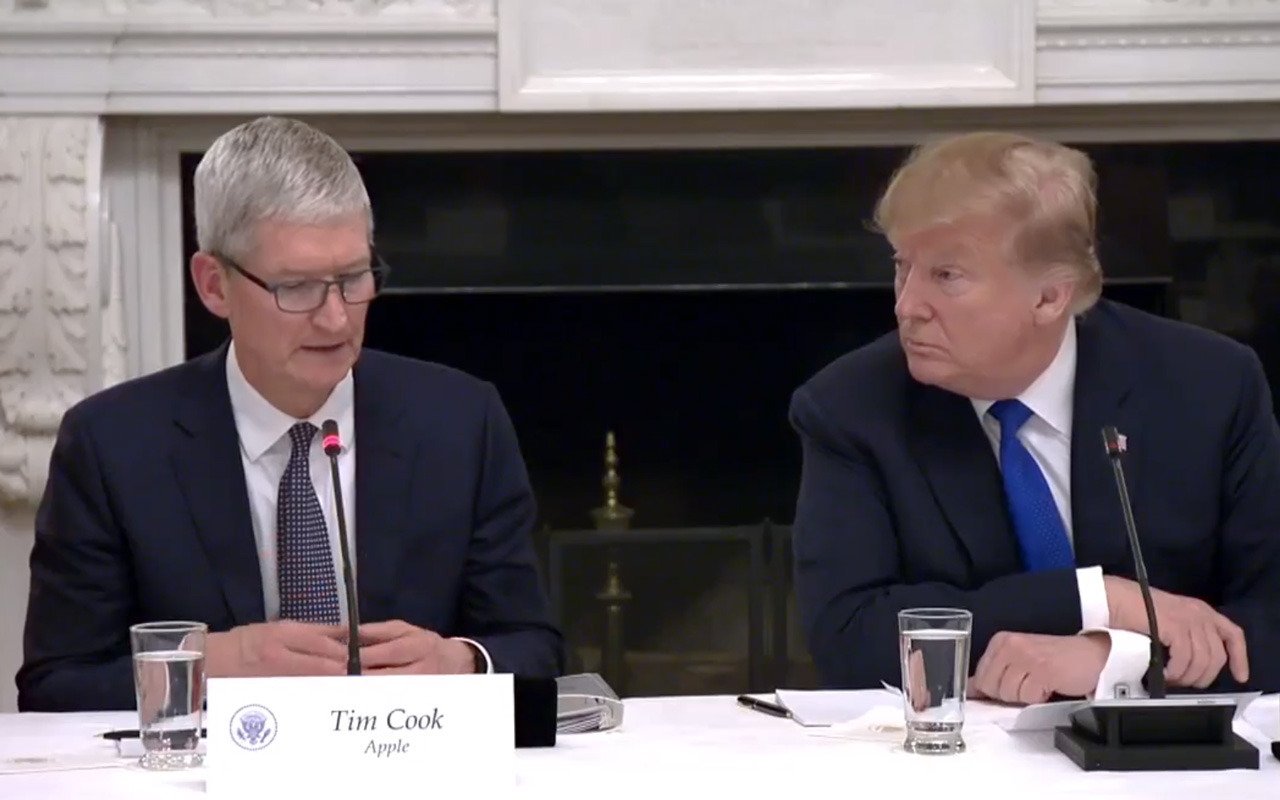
(612, 516)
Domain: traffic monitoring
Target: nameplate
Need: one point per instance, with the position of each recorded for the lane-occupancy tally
(374, 734)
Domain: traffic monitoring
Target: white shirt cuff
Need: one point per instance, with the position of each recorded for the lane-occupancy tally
(1095, 614)
(488, 662)
(1126, 665)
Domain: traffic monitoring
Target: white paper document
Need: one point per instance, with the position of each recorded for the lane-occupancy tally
(1047, 716)
(59, 762)
(819, 707)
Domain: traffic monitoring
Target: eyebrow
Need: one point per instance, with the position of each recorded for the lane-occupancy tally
(358, 265)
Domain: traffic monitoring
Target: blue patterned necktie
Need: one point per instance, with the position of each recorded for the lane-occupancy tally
(1042, 536)
(304, 560)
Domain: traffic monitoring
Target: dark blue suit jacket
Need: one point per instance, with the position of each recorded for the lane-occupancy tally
(145, 517)
(901, 502)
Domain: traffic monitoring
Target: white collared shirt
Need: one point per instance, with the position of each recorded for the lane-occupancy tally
(1047, 436)
(265, 448)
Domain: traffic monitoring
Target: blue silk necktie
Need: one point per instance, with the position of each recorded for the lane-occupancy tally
(1042, 536)
(304, 559)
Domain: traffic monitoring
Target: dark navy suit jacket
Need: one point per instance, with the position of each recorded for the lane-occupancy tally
(146, 517)
(901, 503)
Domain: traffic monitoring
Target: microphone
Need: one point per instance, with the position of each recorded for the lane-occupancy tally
(332, 444)
(1157, 732)
(1116, 446)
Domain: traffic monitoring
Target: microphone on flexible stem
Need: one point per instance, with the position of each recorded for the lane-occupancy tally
(332, 444)
(1157, 732)
(1116, 445)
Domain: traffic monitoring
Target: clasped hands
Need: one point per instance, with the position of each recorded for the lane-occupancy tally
(298, 648)
(1030, 668)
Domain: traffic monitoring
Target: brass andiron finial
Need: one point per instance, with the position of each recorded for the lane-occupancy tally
(612, 515)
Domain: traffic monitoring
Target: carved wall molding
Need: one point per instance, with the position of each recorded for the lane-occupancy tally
(663, 55)
(1242, 38)
(409, 56)
(229, 9)
(47, 316)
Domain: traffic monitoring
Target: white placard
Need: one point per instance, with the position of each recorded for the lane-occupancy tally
(371, 734)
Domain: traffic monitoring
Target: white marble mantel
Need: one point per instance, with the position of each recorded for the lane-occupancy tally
(98, 98)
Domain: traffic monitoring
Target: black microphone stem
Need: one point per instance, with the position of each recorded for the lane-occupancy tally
(353, 614)
(1155, 669)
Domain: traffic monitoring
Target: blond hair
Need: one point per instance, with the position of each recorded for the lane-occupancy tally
(1047, 189)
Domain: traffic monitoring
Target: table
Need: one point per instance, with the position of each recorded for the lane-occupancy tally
(700, 745)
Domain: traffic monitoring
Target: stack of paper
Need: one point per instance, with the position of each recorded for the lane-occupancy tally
(586, 703)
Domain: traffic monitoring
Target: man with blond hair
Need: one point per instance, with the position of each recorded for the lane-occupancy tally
(959, 461)
(203, 492)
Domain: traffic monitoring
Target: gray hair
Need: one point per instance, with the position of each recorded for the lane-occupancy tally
(272, 168)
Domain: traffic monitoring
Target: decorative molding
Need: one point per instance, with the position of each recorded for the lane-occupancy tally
(45, 305)
(301, 9)
(113, 339)
(1127, 51)
(1129, 41)
(654, 55)
(155, 57)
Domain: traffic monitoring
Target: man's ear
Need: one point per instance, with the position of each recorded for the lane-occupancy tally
(1057, 292)
(210, 280)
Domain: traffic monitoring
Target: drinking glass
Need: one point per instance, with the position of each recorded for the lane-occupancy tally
(934, 647)
(168, 678)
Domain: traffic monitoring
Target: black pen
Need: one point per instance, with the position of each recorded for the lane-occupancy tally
(116, 736)
(763, 706)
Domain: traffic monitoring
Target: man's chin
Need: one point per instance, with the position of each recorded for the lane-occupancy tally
(929, 371)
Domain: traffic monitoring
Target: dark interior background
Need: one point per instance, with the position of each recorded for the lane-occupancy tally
(679, 297)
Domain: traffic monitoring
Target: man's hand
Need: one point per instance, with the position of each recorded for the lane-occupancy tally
(917, 688)
(271, 649)
(1031, 667)
(398, 648)
(1199, 640)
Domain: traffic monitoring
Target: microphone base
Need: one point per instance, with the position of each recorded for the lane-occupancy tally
(1172, 734)
(1092, 756)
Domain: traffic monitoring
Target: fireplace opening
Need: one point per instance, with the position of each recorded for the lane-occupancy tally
(678, 297)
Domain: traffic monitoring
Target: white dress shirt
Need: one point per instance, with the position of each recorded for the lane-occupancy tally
(265, 448)
(1047, 436)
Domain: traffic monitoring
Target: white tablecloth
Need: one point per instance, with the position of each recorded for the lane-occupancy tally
(688, 745)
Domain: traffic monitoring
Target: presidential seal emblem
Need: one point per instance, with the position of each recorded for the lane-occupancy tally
(253, 727)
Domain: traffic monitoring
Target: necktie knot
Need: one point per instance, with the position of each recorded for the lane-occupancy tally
(301, 435)
(1011, 414)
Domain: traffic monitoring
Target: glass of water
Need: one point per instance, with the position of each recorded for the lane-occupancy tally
(934, 647)
(168, 677)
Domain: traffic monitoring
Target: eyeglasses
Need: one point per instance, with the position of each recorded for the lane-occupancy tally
(305, 296)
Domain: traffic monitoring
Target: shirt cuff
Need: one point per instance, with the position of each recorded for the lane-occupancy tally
(488, 662)
(1095, 614)
(1126, 666)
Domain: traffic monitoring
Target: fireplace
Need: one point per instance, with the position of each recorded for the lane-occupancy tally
(676, 297)
(723, 156)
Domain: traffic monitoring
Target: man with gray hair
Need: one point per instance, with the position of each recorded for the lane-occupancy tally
(203, 492)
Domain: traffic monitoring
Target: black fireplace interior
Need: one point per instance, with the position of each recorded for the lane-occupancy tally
(678, 297)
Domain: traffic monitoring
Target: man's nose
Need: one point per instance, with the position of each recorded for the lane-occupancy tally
(909, 300)
(332, 313)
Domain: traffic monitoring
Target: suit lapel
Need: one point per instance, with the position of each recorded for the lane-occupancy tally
(382, 488)
(206, 461)
(960, 466)
(1104, 375)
